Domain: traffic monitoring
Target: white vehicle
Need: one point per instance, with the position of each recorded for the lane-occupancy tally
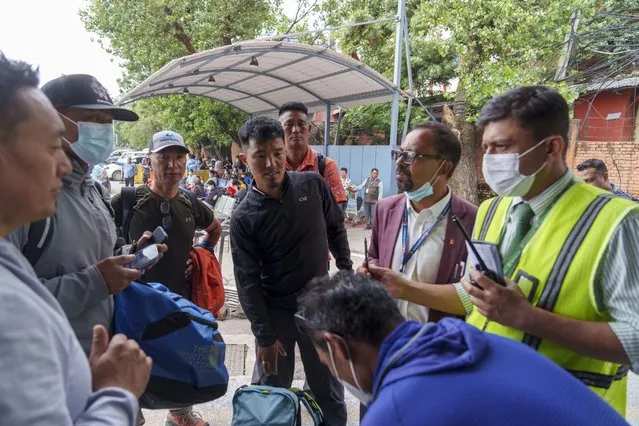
(114, 170)
(117, 154)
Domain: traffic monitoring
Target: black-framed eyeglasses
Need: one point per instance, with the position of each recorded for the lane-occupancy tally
(165, 209)
(409, 157)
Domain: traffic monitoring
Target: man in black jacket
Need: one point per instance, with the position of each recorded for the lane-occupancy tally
(280, 235)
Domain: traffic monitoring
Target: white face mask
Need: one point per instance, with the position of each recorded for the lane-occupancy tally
(502, 174)
(95, 141)
(359, 393)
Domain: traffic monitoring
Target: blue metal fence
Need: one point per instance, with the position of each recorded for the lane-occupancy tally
(359, 160)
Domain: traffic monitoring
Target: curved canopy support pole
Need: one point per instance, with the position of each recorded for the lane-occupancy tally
(327, 128)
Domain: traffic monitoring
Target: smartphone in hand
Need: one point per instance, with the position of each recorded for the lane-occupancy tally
(145, 258)
(159, 235)
(480, 265)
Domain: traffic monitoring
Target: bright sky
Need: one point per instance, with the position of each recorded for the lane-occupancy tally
(50, 34)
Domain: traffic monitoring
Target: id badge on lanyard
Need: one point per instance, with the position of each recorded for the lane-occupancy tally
(408, 254)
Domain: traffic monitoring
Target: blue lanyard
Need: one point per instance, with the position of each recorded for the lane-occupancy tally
(408, 254)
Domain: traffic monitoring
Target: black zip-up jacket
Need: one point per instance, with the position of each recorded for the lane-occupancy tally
(278, 246)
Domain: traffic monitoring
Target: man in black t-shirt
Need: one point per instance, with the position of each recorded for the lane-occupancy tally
(164, 204)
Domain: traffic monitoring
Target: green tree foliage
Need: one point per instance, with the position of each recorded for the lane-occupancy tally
(374, 45)
(146, 35)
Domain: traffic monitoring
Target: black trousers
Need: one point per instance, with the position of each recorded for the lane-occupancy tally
(128, 181)
(327, 391)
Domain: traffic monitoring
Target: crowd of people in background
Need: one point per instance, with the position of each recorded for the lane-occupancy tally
(538, 325)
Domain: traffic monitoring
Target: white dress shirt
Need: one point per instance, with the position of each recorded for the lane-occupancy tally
(424, 264)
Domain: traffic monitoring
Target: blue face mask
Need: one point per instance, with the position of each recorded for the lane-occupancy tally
(95, 141)
(426, 190)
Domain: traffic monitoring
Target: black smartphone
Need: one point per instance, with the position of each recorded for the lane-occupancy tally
(159, 235)
(481, 267)
(365, 251)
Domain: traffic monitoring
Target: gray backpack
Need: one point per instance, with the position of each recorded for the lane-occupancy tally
(271, 406)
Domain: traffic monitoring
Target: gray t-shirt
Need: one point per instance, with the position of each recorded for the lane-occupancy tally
(46, 379)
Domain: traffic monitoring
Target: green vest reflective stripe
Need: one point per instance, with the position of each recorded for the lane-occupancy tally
(557, 272)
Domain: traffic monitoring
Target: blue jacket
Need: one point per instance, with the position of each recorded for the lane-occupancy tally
(192, 164)
(130, 170)
(457, 375)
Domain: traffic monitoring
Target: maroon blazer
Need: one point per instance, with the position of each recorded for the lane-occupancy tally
(386, 227)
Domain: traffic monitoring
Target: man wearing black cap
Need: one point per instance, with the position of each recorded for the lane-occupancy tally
(72, 251)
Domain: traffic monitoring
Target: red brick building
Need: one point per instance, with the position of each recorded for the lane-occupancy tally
(606, 128)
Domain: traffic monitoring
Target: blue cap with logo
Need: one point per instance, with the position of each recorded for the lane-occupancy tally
(166, 139)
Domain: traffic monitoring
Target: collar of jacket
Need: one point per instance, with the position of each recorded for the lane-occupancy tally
(78, 178)
(257, 193)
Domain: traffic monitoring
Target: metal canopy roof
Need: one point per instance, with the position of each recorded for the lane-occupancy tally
(285, 72)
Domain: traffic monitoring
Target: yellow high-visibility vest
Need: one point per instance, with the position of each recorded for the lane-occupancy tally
(557, 272)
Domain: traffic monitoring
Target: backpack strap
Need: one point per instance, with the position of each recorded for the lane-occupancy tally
(321, 164)
(193, 199)
(311, 405)
(101, 190)
(127, 197)
(39, 237)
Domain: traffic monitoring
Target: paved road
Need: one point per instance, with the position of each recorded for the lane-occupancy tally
(237, 334)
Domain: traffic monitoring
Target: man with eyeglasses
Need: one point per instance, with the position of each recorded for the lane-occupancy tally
(164, 204)
(413, 233)
(409, 373)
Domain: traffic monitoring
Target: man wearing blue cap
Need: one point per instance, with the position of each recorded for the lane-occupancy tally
(163, 203)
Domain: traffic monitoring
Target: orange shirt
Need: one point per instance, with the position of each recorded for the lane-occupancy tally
(331, 174)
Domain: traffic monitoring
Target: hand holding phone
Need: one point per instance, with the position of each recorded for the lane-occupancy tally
(481, 266)
(145, 258)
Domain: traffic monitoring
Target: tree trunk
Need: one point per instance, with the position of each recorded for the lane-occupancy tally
(179, 32)
(464, 181)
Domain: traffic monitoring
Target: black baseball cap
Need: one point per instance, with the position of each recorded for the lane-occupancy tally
(86, 92)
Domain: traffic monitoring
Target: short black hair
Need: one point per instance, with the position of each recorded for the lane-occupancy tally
(351, 306)
(344, 169)
(14, 75)
(260, 129)
(540, 109)
(374, 170)
(446, 142)
(593, 163)
(293, 106)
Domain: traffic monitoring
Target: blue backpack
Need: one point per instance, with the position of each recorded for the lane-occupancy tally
(183, 340)
(271, 406)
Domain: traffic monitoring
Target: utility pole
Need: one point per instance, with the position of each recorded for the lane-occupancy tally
(569, 42)
(397, 79)
(397, 70)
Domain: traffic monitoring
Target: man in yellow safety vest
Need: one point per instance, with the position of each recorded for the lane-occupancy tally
(569, 251)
